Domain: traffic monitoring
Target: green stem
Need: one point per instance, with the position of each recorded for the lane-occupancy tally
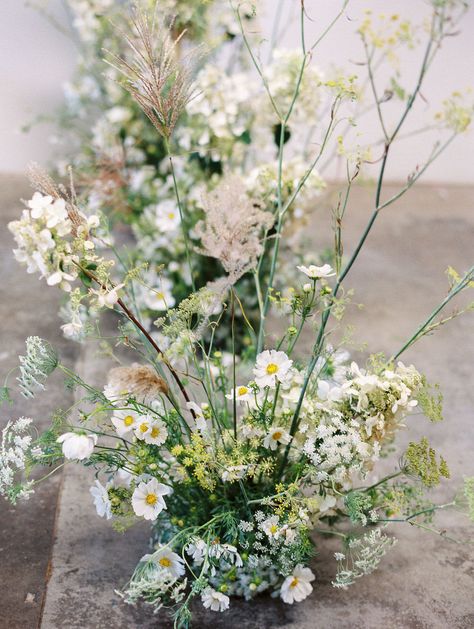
(468, 277)
(181, 214)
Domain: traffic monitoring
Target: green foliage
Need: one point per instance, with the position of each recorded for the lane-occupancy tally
(430, 400)
(404, 499)
(420, 460)
(468, 494)
(358, 503)
(5, 395)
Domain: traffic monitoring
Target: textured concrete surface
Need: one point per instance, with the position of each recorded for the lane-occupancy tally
(425, 582)
(26, 531)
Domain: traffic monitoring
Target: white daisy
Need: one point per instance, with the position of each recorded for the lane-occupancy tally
(297, 586)
(168, 560)
(272, 366)
(276, 436)
(167, 216)
(147, 499)
(161, 297)
(125, 421)
(317, 272)
(271, 527)
(151, 430)
(242, 394)
(101, 498)
(215, 601)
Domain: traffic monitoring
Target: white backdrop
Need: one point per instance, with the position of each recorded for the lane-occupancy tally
(35, 59)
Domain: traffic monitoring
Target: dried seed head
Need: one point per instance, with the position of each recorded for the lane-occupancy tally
(159, 82)
(232, 228)
(141, 381)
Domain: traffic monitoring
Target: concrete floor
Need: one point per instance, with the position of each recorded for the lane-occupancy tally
(424, 583)
(27, 530)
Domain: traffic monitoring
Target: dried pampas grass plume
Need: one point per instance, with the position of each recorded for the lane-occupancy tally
(141, 381)
(232, 228)
(160, 83)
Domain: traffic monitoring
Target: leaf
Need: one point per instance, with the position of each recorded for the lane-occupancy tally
(5, 395)
(398, 89)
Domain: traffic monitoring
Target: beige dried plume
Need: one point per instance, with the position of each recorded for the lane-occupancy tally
(233, 227)
(141, 381)
(160, 82)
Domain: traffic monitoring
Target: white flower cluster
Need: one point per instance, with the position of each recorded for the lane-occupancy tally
(282, 76)
(14, 448)
(220, 114)
(355, 418)
(44, 236)
(262, 183)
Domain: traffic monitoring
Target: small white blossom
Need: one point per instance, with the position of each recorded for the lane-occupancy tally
(151, 430)
(76, 446)
(317, 272)
(125, 421)
(101, 500)
(271, 527)
(160, 298)
(276, 436)
(272, 366)
(167, 560)
(215, 601)
(297, 586)
(242, 394)
(147, 499)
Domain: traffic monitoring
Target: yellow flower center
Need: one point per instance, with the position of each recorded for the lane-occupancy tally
(143, 427)
(165, 562)
(155, 432)
(294, 583)
(242, 390)
(171, 215)
(160, 295)
(276, 435)
(273, 529)
(128, 421)
(271, 368)
(151, 499)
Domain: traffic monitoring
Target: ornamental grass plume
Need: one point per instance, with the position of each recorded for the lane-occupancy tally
(157, 80)
(233, 227)
(141, 381)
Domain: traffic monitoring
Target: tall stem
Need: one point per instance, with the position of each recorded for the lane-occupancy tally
(181, 214)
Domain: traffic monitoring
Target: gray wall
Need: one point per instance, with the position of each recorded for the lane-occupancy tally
(35, 59)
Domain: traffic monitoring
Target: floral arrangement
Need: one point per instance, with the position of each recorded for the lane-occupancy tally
(240, 460)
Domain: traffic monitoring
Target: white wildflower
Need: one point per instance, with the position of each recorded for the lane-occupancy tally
(276, 436)
(242, 394)
(151, 430)
(297, 586)
(125, 421)
(77, 446)
(215, 601)
(101, 500)
(167, 560)
(272, 366)
(317, 272)
(147, 499)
